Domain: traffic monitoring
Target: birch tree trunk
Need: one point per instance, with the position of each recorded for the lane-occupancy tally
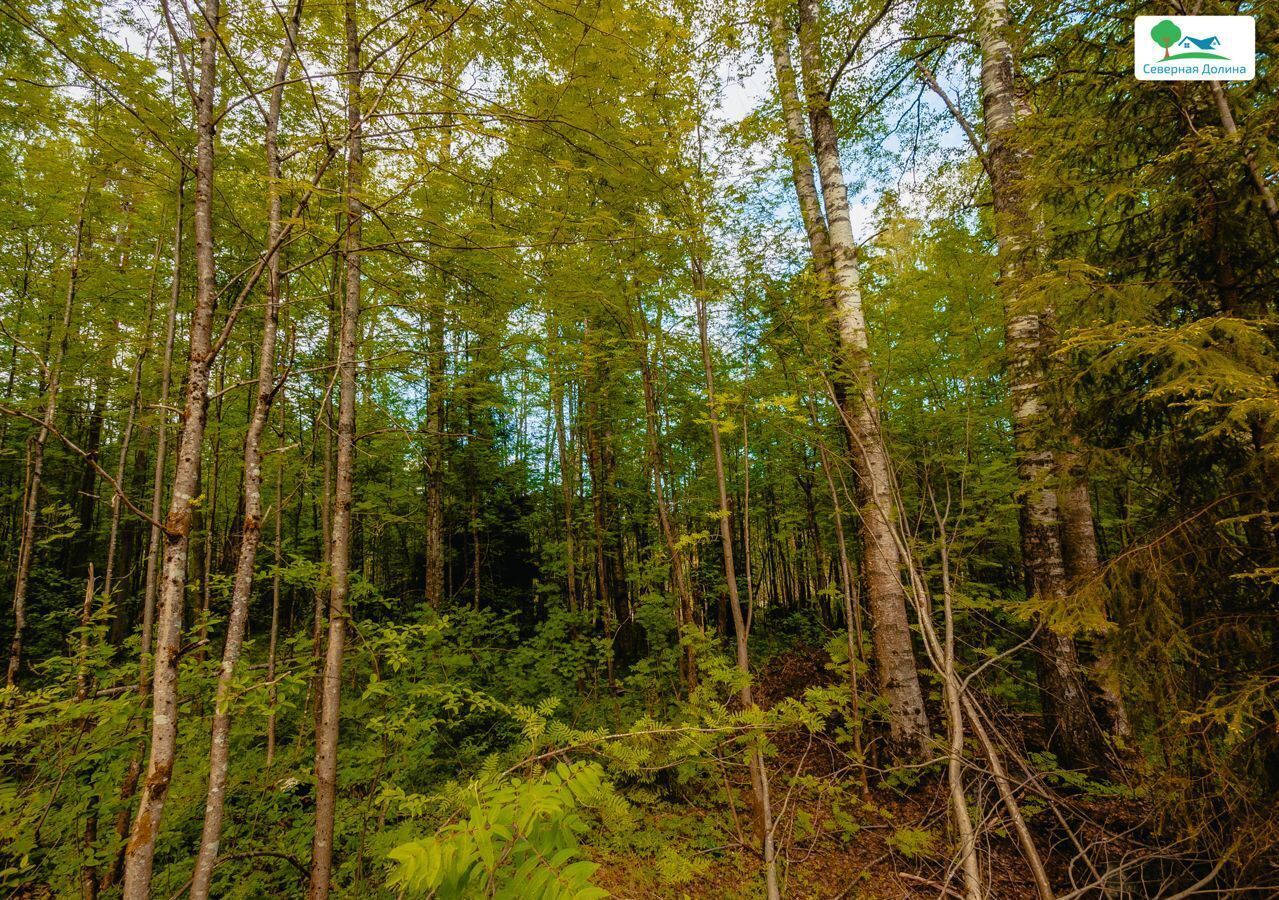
(1082, 561)
(326, 738)
(251, 534)
(140, 851)
(31, 510)
(799, 150)
(1073, 729)
(856, 391)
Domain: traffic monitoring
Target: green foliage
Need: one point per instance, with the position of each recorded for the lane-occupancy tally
(913, 843)
(548, 187)
(518, 839)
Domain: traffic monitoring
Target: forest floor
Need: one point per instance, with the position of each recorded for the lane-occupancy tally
(894, 845)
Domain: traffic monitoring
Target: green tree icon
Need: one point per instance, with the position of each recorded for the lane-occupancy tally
(1165, 33)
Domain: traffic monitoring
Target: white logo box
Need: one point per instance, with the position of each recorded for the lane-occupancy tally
(1194, 48)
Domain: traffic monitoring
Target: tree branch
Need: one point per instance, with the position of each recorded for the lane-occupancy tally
(87, 457)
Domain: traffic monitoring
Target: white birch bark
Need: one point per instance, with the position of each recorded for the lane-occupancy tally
(1027, 339)
(890, 628)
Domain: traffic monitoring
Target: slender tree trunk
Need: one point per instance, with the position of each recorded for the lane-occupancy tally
(81, 546)
(566, 473)
(604, 597)
(953, 691)
(1005, 787)
(435, 557)
(251, 532)
(12, 523)
(82, 684)
(683, 594)
(134, 770)
(758, 771)
(1255, 174)
(325, 418)
(139, 854)
(275, 595)
(747, 562)
(799, 150)
(162, 443)
(609, 575)
(435, 426)
(852, 606)
(88, 873)
(135, 396)
(890, 629)
(207, 527)
(326, 739)
(1074, 730)
(476, 549)
(26, 547)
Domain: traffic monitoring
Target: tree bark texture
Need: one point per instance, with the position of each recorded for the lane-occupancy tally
(1073, 728)
(140, 851)
(326, 738)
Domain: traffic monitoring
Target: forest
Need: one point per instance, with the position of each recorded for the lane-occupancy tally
(636, 448)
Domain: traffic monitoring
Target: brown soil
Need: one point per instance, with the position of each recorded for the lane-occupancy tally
(877, 858)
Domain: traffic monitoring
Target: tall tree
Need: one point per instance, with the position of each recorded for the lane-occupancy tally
(1028, 344)
(834, 250)
(251, 530)
(758, 771)
(35, 453)
(140, 852)
(326, 735)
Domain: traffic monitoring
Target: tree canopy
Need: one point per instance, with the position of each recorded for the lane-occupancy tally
(809, 448)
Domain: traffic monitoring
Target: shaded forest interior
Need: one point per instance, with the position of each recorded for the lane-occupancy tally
(638, 448)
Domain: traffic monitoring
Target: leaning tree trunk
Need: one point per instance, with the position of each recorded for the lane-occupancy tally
(890, 627)
(1074, 730)
(251, 532)
(1256, 174)
(326, 738)
(134, 770)
(140, 851)
(30, 511)
(758, 772)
